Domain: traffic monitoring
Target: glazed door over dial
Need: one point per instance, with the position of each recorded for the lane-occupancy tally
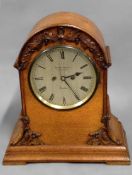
(63, 77)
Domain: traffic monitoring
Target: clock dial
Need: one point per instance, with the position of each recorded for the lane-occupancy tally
(63, 77)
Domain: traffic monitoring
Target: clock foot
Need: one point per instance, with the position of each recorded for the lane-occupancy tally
(118, 163)
(13, 163)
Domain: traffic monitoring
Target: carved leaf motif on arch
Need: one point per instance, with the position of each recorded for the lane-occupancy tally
(60, 34)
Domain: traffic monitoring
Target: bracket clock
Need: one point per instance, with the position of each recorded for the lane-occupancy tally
(65, 114)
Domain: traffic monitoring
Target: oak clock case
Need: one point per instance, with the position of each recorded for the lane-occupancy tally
(66, 115)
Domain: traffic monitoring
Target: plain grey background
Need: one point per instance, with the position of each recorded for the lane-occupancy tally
(114, 18)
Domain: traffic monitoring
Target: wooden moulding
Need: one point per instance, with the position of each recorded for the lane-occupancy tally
(108, 153)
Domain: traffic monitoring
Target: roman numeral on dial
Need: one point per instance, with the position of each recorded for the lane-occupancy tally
(64, 101)
(42, 89)
(83, 88)
(62, 54)
(48, 55)
(40, 66)
(39, 78)
(83, 66)
(75, 57)
(87, 77)
(51, 97)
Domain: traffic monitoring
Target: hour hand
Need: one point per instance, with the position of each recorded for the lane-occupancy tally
(78, 73)
(74, 75)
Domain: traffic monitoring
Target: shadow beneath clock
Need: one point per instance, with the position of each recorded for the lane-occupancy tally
(11, 116)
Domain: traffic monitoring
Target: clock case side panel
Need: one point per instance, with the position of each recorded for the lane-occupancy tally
(112, 133)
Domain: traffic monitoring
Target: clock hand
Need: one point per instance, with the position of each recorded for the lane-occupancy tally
(78, 73)
(73, 76)
(64, 79)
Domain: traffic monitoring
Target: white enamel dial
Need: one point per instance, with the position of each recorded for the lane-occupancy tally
(63, 77)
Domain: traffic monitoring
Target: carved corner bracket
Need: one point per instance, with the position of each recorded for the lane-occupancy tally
(111, 134)
(100, 137)
(60, 35)
(23, 135)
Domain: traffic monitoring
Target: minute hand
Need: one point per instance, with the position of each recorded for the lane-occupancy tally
(72, 90)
